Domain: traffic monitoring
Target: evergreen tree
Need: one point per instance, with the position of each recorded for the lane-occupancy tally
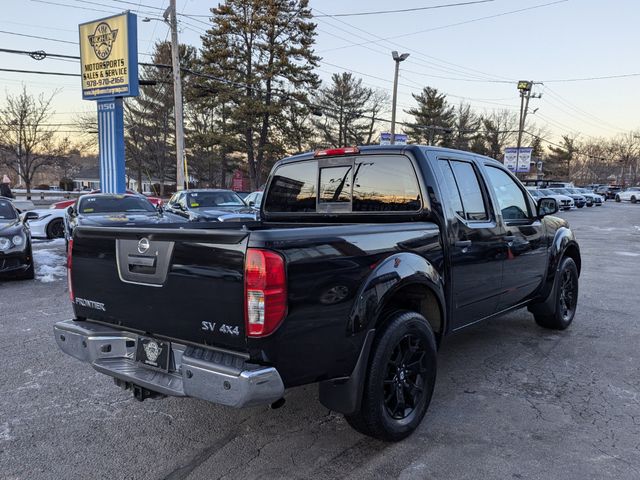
(150, 120)
(465, 127)
(261, 48)
(344, 104)
(559, 160)
(433, 118)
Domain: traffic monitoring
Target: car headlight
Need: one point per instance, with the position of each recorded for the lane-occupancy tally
(17, 240)
(5, 243)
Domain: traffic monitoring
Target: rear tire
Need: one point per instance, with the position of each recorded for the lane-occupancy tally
(566, 299)
(400, 379)
(633, 200)
(55, 229)
(618, 199)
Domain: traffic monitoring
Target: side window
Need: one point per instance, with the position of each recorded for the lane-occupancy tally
(511, 199)
(182, 200)
(293, 188)
(470, 191)
(453, 195)
(385, 184)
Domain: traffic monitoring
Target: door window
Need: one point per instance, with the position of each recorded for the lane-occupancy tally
(465, 193)
(385, 184)
(511, 199)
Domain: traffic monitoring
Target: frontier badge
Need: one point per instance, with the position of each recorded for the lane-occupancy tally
(102, 40)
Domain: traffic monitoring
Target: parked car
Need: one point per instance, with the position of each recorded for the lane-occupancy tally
(16, 257)
(608, 192)
(419, 241)
(19, 204)
(210, 205)
(553, 184)
(109, 210)
(631, 194)
(579, 199)
(595, 199)
(564, 202)
(156, 201)
(48, 223)
(254, 199)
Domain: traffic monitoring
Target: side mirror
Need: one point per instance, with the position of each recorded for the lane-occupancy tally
(547, 206)
(71, 211)
(29, 216)
(252, 203)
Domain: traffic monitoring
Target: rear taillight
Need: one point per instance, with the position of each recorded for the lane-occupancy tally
(69, 260)
(265, 291)
(332, 152)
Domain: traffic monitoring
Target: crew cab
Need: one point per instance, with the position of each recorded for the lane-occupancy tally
(363, 261)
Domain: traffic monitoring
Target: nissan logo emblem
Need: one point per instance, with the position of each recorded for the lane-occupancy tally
(143, 245)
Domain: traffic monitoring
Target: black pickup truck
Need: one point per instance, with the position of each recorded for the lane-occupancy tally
(363, 260)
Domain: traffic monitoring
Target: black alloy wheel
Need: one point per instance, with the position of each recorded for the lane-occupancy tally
(404, 382)
(400, 378)
(55, 229)
(566, 300)
(618, 198)
(633, 199)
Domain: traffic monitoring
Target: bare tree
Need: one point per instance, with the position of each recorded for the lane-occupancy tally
(28, 142)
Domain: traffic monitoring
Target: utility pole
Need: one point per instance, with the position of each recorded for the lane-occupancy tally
(397, 58)
(171, 18)
(525, 87)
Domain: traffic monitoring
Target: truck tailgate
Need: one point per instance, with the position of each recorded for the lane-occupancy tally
(184, 284)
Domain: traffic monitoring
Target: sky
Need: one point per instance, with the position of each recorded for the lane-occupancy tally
(474, 53)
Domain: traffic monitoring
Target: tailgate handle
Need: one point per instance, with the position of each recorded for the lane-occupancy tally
(141, 260)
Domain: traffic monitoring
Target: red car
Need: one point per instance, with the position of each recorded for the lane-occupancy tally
(66, 203)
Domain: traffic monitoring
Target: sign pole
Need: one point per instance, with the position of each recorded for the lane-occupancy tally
(111, 145)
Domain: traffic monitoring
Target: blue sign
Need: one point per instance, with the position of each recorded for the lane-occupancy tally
(111, 145)
(109, 68)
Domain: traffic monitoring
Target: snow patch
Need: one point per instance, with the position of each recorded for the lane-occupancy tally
(50, 261)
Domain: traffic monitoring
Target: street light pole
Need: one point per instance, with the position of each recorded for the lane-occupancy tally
(397, 58)
(177, 93)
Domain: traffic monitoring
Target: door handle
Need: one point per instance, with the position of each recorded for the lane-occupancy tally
(463, 243)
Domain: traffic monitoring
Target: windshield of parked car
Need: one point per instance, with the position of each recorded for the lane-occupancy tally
(7, 212)
(214, 199)
(534, 193)
(114, 204)
(634, 189)
(562, 191)
(546, 191)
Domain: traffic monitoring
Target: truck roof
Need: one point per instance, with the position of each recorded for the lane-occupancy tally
(393, 149)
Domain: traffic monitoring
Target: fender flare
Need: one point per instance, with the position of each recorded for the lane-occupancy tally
(392, 274)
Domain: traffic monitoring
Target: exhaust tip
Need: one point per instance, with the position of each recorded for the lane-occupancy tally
(277, 404)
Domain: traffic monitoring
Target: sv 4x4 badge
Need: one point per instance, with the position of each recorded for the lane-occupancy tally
(226, 329)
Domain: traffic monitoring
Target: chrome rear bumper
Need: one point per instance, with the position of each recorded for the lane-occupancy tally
(215, 376)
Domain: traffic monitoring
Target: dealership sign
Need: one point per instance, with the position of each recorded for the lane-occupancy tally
(385, 138)
(109, 57)
(517, 161)
(109, 70)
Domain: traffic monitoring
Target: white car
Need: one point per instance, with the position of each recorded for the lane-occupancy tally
(564, 202)
(631, 194)
(49, 224)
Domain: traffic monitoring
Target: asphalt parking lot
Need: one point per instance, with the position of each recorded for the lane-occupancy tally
(512, 400)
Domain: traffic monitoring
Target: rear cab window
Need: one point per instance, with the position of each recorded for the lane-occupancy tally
(350, 185)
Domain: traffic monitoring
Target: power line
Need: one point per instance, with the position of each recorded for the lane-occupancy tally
(405, 10)
(587, 79)
(39, 72)
(38, 37)
(465, 22)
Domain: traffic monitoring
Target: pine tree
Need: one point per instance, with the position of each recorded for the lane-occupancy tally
(465, 127)
(433, 118)
(559, 160)
(344, 104)
(262, 49)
